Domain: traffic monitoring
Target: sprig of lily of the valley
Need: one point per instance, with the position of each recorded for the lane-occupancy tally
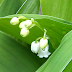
(40, 45)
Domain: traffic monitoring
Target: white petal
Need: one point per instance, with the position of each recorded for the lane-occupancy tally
(22, 25)
(43, 43)
(24, 32)
(40, 53)
(14, 21)
(28, 22)
(25, 24)
(34, 47)
(44, 53)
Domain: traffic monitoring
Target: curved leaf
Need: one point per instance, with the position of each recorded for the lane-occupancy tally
(1, 1)
(69, 67)
(29, 6)
(58, 8)
(10, 7)
(56, 28)
(15, 57)
(61, 56)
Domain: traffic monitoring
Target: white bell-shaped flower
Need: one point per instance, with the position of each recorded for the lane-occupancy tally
(24, 32)
(35, 47)
(44, 53)
(43, 43)
(14, 21)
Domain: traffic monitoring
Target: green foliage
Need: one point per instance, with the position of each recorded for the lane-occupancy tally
(13, 6)
(56, 28)
(58, 8)
(1, 1)
(29, 7)
(69, 67)
(61, 56)
(16, 56)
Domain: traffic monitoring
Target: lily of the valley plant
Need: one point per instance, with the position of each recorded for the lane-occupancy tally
(40, 45)
(35, 35)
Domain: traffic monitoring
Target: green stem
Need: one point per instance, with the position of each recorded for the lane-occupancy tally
(44, 30)
(38, 25)
(29, 27)
(37, 39)
(22, 17)
(44, 37)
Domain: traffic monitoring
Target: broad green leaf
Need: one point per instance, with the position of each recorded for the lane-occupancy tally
(15, 57)
(29, 7)
(1, 1)
(69, 67)
(58, 8)
(9, 7)
(56, 28)
(61, 56)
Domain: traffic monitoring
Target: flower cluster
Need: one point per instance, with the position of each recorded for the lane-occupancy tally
(24, 25)
(40, 45)
(37, 48)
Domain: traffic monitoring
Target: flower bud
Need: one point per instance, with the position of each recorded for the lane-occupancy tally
(14, 21)
(25, 23)
(43, 43)
(34, 47)
(44, 53)
(24, 32)
(28, 22)
(22, 25)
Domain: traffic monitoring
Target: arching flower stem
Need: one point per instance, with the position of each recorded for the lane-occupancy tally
(37, 39)
(44, 37)
(37, 24)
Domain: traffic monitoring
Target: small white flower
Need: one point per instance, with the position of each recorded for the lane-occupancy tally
(25, 23)
(24, 32)
(44, 53)
(43, 43)
(35, 47)
(22, 25)
(14, 21)
(28, 22)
